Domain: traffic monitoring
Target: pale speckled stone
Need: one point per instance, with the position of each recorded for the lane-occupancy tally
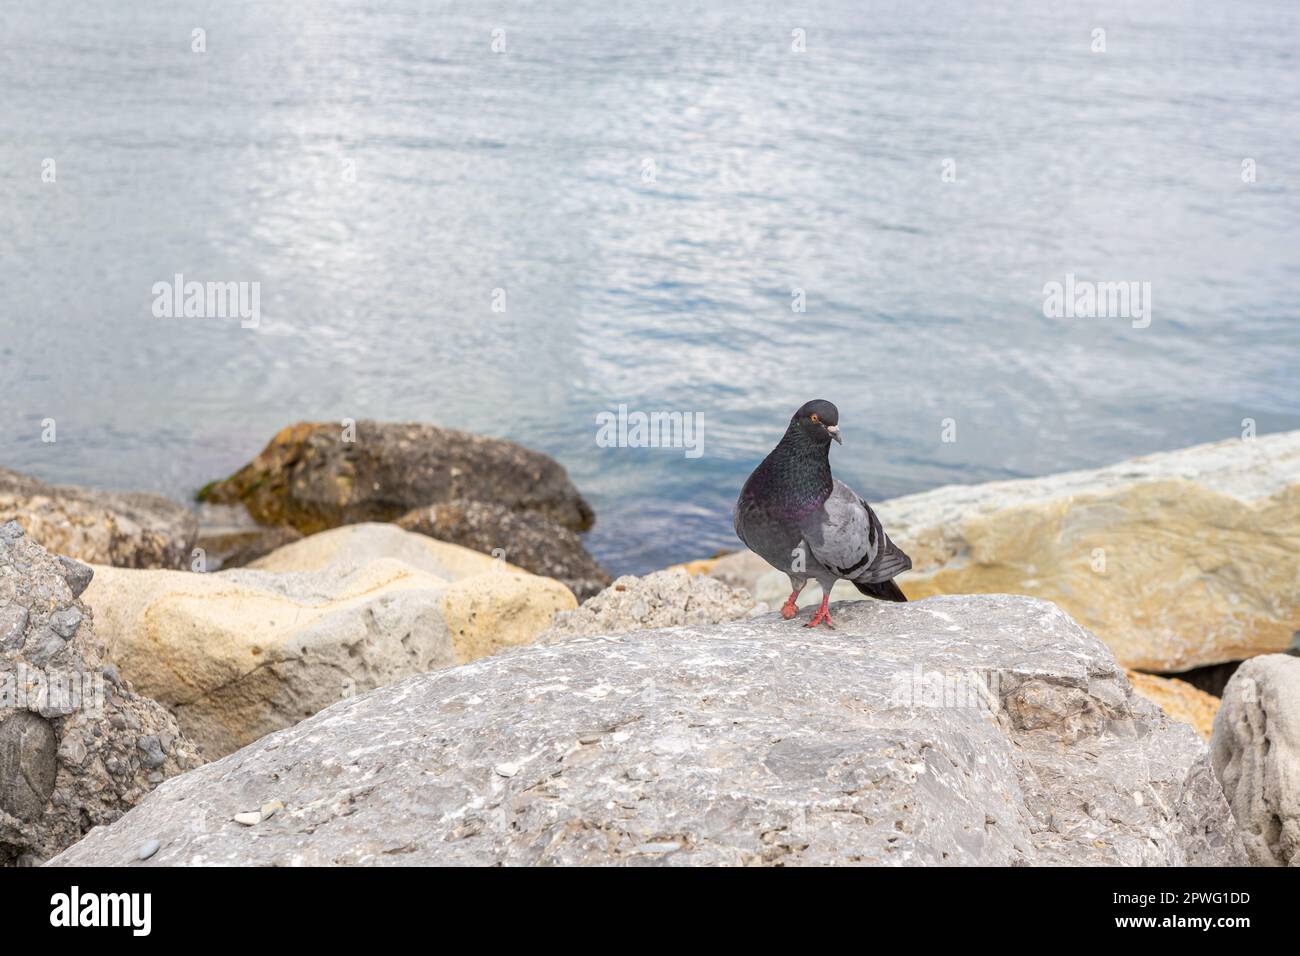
(1256, 753)
(753, 742)
(127, 529)
(663, 599)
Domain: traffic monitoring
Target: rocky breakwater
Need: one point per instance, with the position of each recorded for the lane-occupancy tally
(488, 494)
(238, 654)
(78, 746)
(958, 730)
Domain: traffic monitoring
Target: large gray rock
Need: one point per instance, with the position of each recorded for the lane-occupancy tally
(124, 529)
(310, 476)
(77, 746)
(1256, 752)
(754, 742)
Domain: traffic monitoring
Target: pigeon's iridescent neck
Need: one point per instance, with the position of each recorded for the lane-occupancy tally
(796, 477)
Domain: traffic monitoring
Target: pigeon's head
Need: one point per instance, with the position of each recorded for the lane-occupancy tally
(818, 420)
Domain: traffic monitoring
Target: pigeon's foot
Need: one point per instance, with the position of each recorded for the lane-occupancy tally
(789, 609)
(823, 615)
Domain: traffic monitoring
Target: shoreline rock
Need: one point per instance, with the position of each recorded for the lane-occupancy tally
(124, 529)
(311, 478)
(753, 742)
(78, 746)
(240, 653)
(526, 539)
(1256, 756)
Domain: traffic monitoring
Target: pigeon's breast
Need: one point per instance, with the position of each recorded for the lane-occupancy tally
(797, 511)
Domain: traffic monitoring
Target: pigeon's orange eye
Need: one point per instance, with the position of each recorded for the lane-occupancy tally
(813, 416)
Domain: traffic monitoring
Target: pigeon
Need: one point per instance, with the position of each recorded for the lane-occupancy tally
(801, 520)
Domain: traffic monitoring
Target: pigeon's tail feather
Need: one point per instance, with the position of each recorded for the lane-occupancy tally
(882, 590)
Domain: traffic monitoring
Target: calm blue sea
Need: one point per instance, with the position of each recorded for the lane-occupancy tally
(648, 184)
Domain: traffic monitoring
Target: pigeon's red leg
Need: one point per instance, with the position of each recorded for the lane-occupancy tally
(822, 615)
(789, 609)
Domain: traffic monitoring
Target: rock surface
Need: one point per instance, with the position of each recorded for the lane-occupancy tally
(1256, 753)
(524, 538)
(240, 653)
(1176, 560)
(745, 569)
(1179, 699)
(310, 478)
(77, 746)
(662, 599)
(754, 742)
(126, 529)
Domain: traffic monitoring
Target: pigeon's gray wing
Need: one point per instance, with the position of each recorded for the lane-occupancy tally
(846, 536)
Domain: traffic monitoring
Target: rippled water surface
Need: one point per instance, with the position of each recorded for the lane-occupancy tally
(527, 170)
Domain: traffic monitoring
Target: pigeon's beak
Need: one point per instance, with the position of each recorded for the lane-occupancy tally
(834, 432)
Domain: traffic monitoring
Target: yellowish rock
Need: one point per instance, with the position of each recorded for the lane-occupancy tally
(1179, 699)
(489, 612)
(1175, 560)
(702, 566)
(357, 544)
(237, 654)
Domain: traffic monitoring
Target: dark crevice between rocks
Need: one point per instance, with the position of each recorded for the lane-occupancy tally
(1213, 678)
